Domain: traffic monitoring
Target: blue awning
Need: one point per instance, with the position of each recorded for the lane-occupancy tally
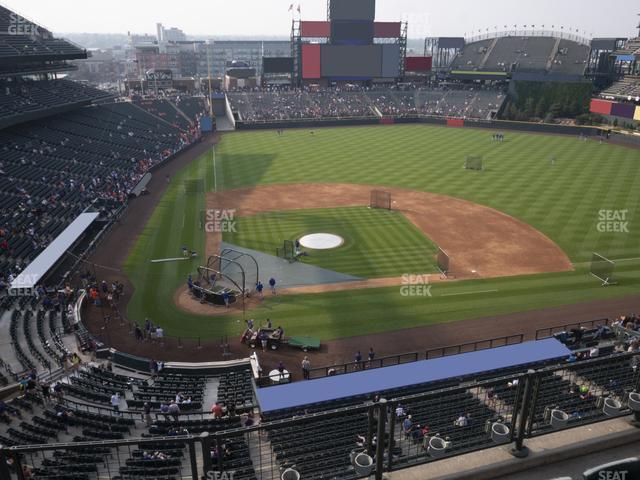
(299, 394)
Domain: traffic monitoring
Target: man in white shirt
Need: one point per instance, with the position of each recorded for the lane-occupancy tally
(115, 402)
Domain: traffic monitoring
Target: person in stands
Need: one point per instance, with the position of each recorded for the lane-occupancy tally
(216, 410)
(306, 367)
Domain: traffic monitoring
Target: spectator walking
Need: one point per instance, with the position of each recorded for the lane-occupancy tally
(138, 334)
(46, 392)
(146, 408)
(358, 360)
(160, 334)
(174, 411)
(306, 366)
(264, 339)
(115, 402)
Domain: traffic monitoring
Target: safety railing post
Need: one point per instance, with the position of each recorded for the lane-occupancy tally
(193, 460)
(392, 433)
(382, 421)
(370, 427)
(5, 474)
(519, 450)
(205, 442)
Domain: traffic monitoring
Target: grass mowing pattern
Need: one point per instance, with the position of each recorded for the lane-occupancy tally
(377, 243)
(562, 201)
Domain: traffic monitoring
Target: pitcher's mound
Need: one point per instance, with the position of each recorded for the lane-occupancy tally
(321, 241)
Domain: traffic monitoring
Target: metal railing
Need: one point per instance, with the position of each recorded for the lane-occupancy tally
(550, 331)
(568, 34)
(390, 360)
(409, 428)
(446, 421)
(475, 346)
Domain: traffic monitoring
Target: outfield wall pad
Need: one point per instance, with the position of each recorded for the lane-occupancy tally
(379, 380)
(489, 124)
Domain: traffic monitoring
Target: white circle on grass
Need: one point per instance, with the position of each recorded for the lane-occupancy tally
(321, 241)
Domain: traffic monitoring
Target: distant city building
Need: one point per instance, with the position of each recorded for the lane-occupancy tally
(166, 35)
(191, 58)
(248, 51)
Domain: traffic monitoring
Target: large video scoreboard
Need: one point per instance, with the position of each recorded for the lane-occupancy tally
(351, 53)
(353, 10)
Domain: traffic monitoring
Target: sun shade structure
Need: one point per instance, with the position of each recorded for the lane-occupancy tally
(24, 283)
(367, 382)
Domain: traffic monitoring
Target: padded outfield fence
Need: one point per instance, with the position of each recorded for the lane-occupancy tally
(508, 407)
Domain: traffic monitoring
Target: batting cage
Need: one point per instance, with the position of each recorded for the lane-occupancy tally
(380, 199)
(602, 268)
(443, 261)
(239, 268)
(473, 162)
(213, 286)
(287, 251)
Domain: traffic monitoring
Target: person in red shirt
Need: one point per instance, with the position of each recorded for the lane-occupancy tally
(216, 410)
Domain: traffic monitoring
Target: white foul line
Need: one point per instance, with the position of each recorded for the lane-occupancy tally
(215, 173)
(467, 293)
(614, 260)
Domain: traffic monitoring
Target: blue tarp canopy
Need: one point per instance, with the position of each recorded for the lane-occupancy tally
(299, 394)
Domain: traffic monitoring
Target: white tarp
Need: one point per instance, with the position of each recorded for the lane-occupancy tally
(38, 268)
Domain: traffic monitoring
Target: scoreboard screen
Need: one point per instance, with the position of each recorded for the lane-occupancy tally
(277, 64)
(353, 10)
(351, 33)
(351, 61)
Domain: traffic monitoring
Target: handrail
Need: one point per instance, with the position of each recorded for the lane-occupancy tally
(409, 357)
(549, 331)
(477, 345)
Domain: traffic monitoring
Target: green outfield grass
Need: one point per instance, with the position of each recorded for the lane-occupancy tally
(377, 243)
(563, 201)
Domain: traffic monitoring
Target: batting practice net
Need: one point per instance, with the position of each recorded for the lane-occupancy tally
(602, 268)
(287, 251)
(443, 260)
(380, 199)
(473, 162)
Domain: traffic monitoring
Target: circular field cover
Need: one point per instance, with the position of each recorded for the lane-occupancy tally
(321, 241)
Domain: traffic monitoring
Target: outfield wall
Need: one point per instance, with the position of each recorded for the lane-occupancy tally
(488, 124)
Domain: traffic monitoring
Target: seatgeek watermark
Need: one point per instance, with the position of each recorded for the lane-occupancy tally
(211, 475)
(613, 475)
(220, 221)
(413, 285)
(19, 25)
(613, 221)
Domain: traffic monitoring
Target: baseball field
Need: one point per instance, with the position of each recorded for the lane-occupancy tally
(576, 196)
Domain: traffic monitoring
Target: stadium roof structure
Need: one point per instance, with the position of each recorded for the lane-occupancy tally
(368, 382)
(37, 269)
(23, 41)
(630, 49)
(544, 55)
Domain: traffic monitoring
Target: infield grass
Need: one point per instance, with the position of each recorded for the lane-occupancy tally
(377, 243)
(564, 201)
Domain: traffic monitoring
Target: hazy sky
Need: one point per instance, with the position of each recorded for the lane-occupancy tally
(271, 17)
